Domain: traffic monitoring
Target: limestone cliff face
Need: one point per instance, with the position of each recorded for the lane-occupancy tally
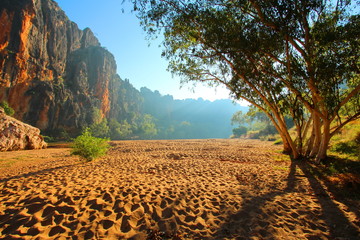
(51, 72)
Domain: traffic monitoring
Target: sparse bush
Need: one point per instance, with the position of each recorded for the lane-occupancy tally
(48, 139)
(8, 110)
(89, 147)
(241, 130)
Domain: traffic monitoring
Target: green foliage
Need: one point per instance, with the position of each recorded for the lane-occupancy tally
(241, 130)
(8, 110)
(65, 136)
(89, 147)
(95, 116)
(120, 131)
(297, 59)
(100, 129)
(258, 124)
(147, 127)
(268, 130)
(189, 118)
(347, 142)
(239, 118)
(49, 139)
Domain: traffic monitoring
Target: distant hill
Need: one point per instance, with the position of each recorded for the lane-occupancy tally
(189, 118)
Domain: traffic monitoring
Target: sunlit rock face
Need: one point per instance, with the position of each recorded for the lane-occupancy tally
(16, 135)
(52, 73)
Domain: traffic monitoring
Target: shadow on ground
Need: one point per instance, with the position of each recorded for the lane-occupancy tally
(279, 212)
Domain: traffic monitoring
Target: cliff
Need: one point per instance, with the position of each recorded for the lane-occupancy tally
(52, 73)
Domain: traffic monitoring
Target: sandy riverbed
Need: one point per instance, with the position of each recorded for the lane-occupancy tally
(184, 189)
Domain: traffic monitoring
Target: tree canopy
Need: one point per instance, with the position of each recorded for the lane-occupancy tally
(287, 58)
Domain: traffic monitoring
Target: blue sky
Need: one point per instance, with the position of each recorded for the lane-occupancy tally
(120, 32)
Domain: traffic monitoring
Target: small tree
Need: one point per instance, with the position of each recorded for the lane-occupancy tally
(89, 147)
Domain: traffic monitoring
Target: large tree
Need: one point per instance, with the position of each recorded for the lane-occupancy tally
(287, 58)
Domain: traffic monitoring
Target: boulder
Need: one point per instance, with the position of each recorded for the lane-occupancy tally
(16, 135)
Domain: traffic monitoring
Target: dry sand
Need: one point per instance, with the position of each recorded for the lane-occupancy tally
(184, 189)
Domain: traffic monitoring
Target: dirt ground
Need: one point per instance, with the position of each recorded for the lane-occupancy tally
(169, 189)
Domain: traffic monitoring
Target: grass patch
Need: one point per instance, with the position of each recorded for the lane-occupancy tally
(346, 144)
(278, 141)
(281, 168)
(280, 157)
(6, 163)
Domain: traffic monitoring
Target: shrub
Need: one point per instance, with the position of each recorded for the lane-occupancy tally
(89, 147)
(48, 139)
(241, 130)
(8, 110)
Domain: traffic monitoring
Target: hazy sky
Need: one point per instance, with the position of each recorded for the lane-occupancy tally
(121, 33)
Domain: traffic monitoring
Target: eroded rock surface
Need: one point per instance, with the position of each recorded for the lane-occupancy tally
(52, 73)
(16, 135)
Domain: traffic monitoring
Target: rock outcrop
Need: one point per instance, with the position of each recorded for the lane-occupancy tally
(16, 135)
(52, 73)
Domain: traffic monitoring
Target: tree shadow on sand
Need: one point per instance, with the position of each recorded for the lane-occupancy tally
(295, 211)
(36, 172)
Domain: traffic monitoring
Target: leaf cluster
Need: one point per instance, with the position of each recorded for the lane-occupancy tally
(88, 147)
(8, 110)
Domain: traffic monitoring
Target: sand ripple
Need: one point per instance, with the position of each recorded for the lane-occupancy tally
(190, 189)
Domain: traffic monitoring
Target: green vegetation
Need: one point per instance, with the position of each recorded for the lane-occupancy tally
(101, 129)
(255, 125)
(297, 59)
(189, 118)
(147, 114)
(119, 131)
(346, 144)
(88, 147)
(147, 128)
(8, 110)
(239, 131)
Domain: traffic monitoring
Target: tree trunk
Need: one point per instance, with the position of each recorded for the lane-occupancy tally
(317, 137)
(310, 143)
(321, 155)
(299, 139)
(289, 145)
(286, 145)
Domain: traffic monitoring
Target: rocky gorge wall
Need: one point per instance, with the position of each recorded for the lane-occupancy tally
(52, 73)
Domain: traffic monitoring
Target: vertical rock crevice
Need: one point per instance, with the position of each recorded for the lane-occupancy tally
(51, 72)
